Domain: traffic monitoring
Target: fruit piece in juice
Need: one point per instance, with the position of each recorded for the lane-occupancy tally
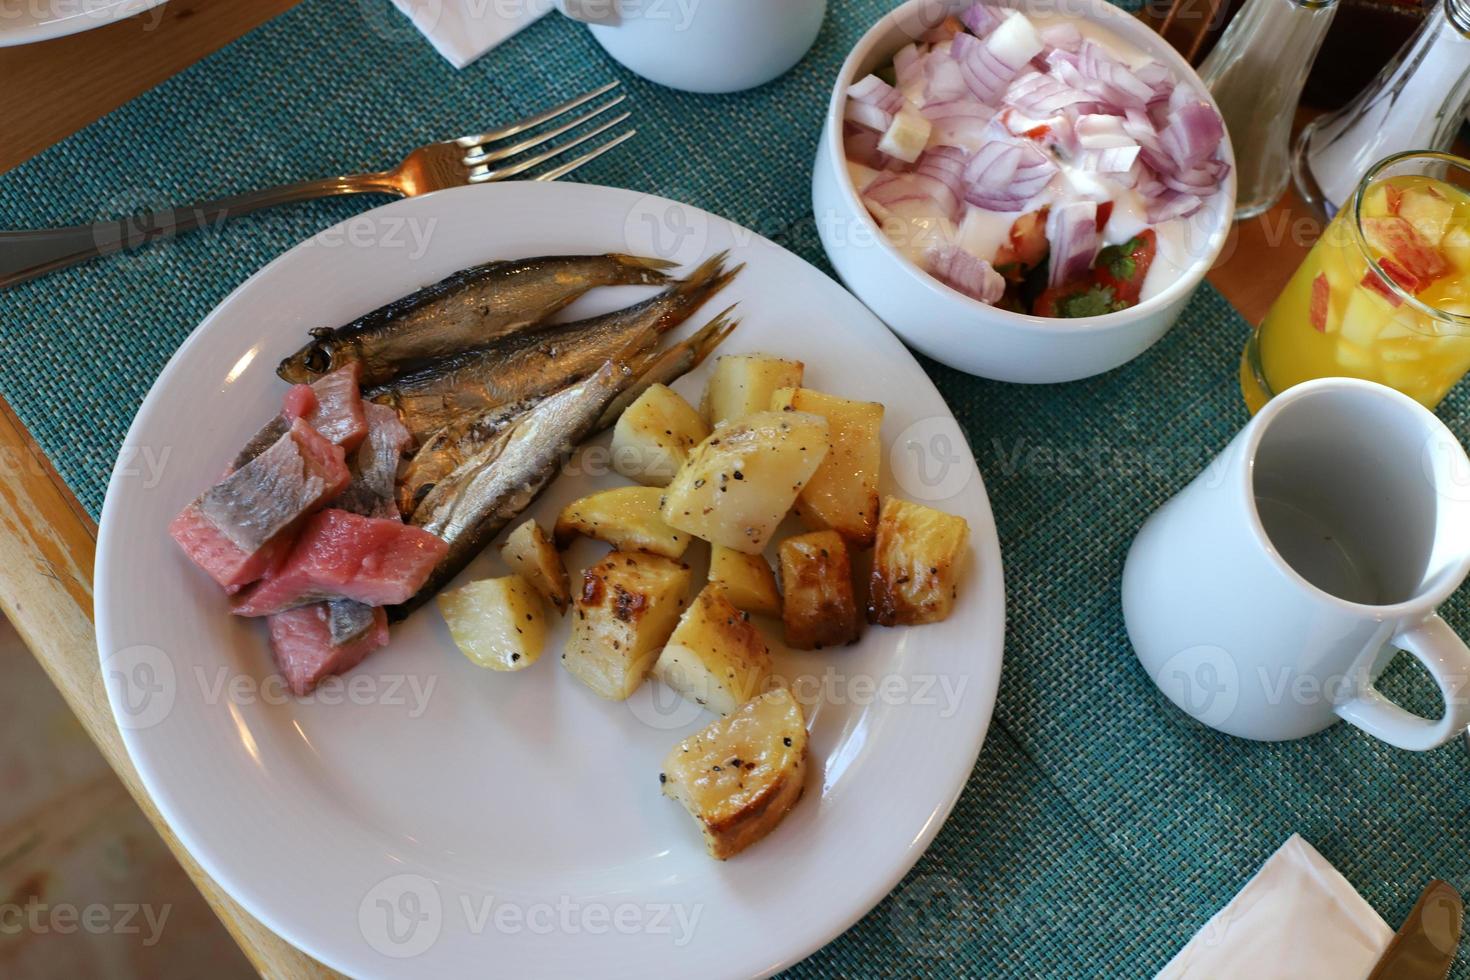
(1365, 317)
(1456, 248)
(1354, 358)
(1403, 253)
(1428, 211)
(1321, 300)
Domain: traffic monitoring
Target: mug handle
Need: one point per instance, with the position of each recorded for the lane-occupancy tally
(1447, 659)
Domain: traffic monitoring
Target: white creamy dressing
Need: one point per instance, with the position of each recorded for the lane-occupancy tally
(915, 227)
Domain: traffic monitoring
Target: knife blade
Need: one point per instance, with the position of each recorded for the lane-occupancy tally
(1425, 945)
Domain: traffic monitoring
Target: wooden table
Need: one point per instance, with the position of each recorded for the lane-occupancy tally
(47, 540)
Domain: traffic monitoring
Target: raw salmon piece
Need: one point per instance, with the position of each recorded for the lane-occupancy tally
(340, 555)
(239, 527)
(301, 640)
(332, 405)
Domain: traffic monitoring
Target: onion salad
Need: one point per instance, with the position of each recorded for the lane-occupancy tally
(1038, 164)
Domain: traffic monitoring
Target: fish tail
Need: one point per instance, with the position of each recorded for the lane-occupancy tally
(707, 270)
(703, 341)
(642, 269)
(690, 294)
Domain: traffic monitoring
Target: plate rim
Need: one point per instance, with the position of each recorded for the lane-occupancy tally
(85, 21)
(153, 781)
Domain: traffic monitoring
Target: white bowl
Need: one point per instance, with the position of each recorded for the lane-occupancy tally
(951, 327)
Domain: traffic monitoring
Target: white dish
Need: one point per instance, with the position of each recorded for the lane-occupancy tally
(42, 20)
(712, 46)
(321, 819)
(949, 326)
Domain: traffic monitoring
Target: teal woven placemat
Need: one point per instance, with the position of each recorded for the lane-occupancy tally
(1100, 827)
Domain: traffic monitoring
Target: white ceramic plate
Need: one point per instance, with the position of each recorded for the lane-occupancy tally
(429, 818)
(25, 21)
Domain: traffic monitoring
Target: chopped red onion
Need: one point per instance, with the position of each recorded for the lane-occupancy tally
(1099, 132)
(957, 120)
(1112, 160)
(1173, 206)
(1194, 130)
(867, 116)
(893, 189)
(960, 270)
(1072, 231)
(944, 78)
(947, 165)
(1064, 35)
(1109, 79)
(1004, 176)
(1037, 94)
(873, 91)
(907, 66)
(981, 19)
(861, 146)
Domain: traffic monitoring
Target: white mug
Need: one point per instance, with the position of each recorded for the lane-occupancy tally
(703, 45)
(1269, 594)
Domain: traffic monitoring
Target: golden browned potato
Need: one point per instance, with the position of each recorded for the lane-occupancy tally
(818, 607)
(741, 775)
(626, 518)
(916, 564)
(628, 605)
(716, 657)
(654, 435)
(739, 483)
(843, 493)
(747, 580)
(529, 552)
(743, 383)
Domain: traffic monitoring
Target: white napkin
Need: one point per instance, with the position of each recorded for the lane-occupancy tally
(462, 30)
(1297, 919)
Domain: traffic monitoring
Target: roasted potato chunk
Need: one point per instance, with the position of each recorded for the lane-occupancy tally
(818, 608)
(916, 564)
(741, 775)
(747, 580)
(529, 552)
(628, 605)
(654, 435)
(743, 384)
(626, 518)
(843, 493)
(739, 483)
(716, 657)
(496, 623)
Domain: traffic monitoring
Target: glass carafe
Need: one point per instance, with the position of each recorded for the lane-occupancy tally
(1417, 102)
(1256, 74)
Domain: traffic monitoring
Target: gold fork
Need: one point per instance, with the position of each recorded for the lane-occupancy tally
(477, 159)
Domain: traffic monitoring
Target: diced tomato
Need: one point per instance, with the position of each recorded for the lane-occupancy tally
(1394, 196)
(1037, 132)
(1321, 296)
(1083, 298)
(1371, 281)
(1027, 245)
(1104, 212)
(1123, 268)
(1414, 258)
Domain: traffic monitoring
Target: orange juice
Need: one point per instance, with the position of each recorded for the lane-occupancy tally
(1401, 319)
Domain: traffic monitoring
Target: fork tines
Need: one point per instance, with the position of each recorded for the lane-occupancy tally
(490, 156)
